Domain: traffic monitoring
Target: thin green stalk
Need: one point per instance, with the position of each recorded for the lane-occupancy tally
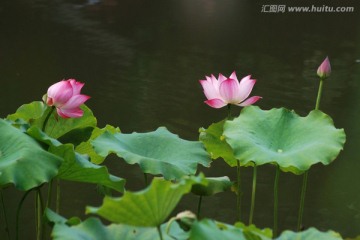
(18, 213)
(276, 201)
(305, 178)
(49, 195)
(146, 179)
(229, 112)
(160, 233)
(238, 196)
(57, 195)
(47, 119)
(40, 210)
(253, 195)
(5, 216)
(199, 207)
(302, 200)
(318, 99)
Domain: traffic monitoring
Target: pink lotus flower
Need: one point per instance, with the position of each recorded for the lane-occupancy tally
(324, 69)
(223, 91)
(66, 97)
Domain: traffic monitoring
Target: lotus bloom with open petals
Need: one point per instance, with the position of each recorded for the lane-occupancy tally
(66, 97)
(223, 91)
(324, 69)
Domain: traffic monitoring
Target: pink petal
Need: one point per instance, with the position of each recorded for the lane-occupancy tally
(233, 76)
(229, 91)
(249, 101)
(210, 90)
(60, 92)
(213, 79)
(70, 113)
(216, 103)
(221, 78)
(76, 86)
(75, 102)
(246, 85)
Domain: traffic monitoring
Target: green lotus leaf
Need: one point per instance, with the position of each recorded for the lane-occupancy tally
(158, 152)
(30, 112)
(281, 136)
(92, 229)
(23, 162)
(215, 185)
(149, 207)
(215, 143)
(35, 113)
(86, 147)
(212, 230)
(309, 234)
(262, 233)
(76, 167)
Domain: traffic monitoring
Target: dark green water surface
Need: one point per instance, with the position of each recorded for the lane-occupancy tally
(141, 61)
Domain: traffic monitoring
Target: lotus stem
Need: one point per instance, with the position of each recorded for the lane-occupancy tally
(18, 213)
(5, 216)
(238, 196)
(318, 99)
(39, 206)
(49, 195)
(146, 179)
(160, 233)
(229, 112)
(47, 118)
(302, 200)
(199, 207)
(58, 195)
(276, 201)
(304, 184)
(252, 207)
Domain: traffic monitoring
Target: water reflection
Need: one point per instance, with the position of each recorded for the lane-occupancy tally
(142, 60)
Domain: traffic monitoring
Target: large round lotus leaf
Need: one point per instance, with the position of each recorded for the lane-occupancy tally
(212, 230)
(158, 152)
(215, 144)
(35, 114)
(93, 229)
(22, 160)
(77, 167)
(281, 136)
(214, 185)
(149, 207)
(309, 234)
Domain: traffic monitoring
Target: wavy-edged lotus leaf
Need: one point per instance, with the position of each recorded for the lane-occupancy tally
(214, 185)
(281, 136)
(215, 143)
(309, 234)
(261, 233)
(211, 230)
(92, 228)
(35, 113)
(149, 207)
(86, 148)
(23, 162)
(157, 152)
(77, 167)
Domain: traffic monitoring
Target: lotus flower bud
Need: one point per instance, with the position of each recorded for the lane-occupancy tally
(324, 69)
